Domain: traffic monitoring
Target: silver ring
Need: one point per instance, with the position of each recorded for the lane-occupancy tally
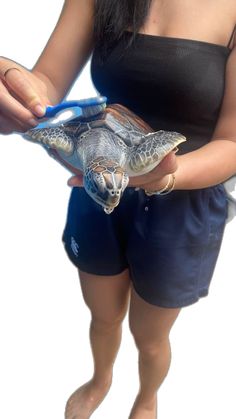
(11, 68)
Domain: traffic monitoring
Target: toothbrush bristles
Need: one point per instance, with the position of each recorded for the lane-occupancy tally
(93, 110)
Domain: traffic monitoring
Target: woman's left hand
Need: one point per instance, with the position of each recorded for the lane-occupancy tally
(157, 178)
(150, 181)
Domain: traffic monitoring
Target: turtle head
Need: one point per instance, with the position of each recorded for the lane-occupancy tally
(105, 181)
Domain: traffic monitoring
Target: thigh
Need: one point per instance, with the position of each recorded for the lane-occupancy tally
(149, 323)
(107, 297)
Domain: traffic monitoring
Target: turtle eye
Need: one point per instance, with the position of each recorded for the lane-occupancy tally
(99, 169)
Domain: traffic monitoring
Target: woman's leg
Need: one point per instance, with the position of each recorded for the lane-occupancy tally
(150, 326)
(107, 297)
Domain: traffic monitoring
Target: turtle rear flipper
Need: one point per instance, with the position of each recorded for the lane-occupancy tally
(55, 138)
(152, 150)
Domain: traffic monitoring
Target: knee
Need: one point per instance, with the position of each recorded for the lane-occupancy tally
(101, 324)
(154, 349)
(151, 345)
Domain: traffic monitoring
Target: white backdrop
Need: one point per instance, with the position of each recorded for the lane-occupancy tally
(44, 351)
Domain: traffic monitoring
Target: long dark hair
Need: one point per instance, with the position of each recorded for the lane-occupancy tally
(113, 17)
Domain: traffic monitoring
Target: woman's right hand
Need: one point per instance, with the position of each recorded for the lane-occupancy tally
(23, 97)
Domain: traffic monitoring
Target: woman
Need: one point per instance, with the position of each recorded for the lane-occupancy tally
(157, 253)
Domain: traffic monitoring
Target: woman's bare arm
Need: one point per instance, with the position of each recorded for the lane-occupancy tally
(68, 48)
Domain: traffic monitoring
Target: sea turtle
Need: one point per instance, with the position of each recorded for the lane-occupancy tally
(108, 148)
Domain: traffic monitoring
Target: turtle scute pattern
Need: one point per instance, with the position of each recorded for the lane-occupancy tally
(109, 179)
(108, 148)
(153, 149)
(53, 138)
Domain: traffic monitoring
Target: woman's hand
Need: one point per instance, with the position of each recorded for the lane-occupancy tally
(154, 180)
(23, 98)
(76, 180)
(158, 177)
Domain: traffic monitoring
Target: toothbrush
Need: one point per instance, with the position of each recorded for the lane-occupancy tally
(84, 107)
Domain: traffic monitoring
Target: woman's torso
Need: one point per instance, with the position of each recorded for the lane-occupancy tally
(173, 75)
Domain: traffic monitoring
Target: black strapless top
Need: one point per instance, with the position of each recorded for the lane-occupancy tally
(173, 84)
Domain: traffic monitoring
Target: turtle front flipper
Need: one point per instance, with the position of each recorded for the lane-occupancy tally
(155, 146)
(55, 138)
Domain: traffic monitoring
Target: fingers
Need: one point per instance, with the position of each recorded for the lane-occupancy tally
(18, 97)
(9, 125)
(11, 108)
(168, 164)
(75, 181)
(21, 86)
(5, 65)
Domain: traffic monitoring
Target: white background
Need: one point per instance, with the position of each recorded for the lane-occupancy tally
(44, 350)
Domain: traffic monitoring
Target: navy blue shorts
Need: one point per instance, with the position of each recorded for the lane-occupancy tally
(169, 243)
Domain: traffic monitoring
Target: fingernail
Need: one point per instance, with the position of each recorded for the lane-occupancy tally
(33, 122)
(39, 110)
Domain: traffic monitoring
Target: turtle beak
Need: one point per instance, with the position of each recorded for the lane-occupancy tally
(110, 198)
(108, 210)
(112, 188)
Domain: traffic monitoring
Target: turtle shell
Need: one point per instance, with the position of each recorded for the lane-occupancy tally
(107, 147)
(116, 118)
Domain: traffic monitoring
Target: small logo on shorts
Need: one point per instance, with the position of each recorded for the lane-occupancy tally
(74, 246)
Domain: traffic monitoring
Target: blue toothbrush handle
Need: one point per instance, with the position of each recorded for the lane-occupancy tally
(51, 111)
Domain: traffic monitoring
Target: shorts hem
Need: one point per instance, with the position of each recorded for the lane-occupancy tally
(174, 304)
(98, 272)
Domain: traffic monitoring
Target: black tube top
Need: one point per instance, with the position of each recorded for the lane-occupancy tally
(173, 84)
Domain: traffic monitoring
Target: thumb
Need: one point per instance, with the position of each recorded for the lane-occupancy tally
(169, 163)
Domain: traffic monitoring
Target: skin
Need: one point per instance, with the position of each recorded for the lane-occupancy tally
(63, 58)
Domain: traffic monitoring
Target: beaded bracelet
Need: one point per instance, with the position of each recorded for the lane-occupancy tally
(164, 191)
